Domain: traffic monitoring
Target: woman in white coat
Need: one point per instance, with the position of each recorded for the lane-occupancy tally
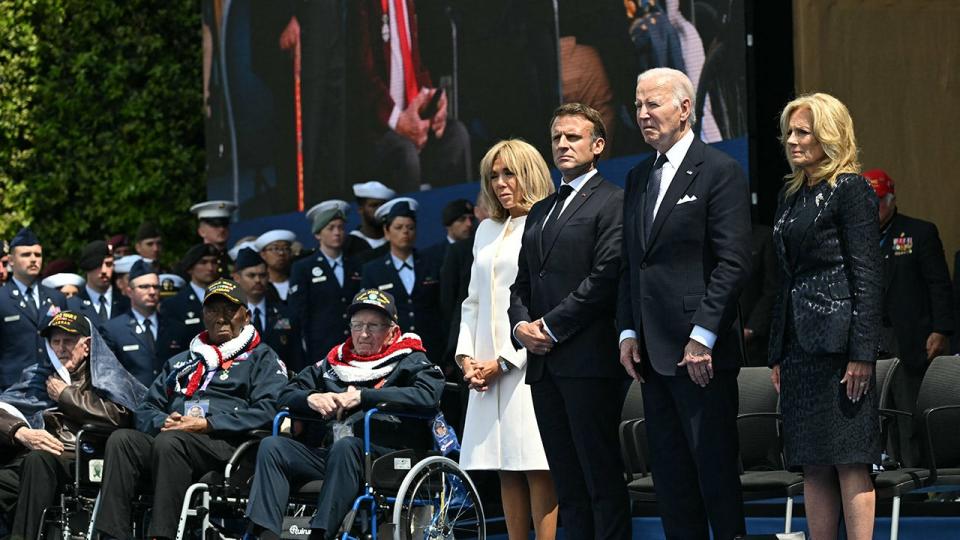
(500, 431)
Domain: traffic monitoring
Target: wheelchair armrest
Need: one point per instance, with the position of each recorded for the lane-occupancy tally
(893, 413)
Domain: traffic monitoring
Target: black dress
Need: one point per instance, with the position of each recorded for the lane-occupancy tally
(821, 425)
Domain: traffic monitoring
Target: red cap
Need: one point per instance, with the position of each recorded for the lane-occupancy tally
(881, 182)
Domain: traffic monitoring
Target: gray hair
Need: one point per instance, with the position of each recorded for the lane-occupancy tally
(680, 86)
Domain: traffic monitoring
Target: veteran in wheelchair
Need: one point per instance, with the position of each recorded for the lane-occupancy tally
(200, 408)
(377, 366)
(80, 382)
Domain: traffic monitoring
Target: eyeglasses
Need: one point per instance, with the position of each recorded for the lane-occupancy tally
(370, 328)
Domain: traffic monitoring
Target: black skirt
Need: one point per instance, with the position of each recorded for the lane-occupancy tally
(821, 425)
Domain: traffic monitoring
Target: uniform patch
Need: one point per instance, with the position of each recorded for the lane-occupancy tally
(902, 245)
(128, 348)
(11, 318)
(319, 279)
(385, 286)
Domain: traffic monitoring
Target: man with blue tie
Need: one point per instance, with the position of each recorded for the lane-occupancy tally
(322, 286)
(26, 306)
(137, 338)
(411, 277)
(98, 300)
(273, 319)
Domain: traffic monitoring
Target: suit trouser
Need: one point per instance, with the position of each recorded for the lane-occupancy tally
(578, 420)
(284, 464)
(692, 433)
(173, 459)
(905, 437)
(33, 481)
(442, 162)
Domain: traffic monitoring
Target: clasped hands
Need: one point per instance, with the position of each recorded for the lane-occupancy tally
(480, 374)
(697, 358)
(335, 404)
(191, 424)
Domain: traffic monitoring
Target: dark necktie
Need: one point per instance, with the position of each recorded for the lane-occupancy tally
(550, 229)
(336, 264)
(149, 335)
(256, 320)
(31, 303)
(653, 191)
(102, 308)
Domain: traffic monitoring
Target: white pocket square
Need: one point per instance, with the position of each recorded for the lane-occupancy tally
(687, 198)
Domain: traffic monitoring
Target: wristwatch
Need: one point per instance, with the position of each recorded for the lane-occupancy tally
(504, 365)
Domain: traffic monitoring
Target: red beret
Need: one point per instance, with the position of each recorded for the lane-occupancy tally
(881, 182)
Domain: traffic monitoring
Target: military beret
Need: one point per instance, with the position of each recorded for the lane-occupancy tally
(93, 254)
(454, 209)
(148, 229)
(197, 252)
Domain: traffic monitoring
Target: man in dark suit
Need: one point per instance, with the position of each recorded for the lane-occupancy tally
(917, 314)
(138, 339)
(98, 300)
(26, 307)
(686, 256)
(274, 320)
(323, 285)
(759, 295)
(411, 277)
(182, 312)
(562, 310)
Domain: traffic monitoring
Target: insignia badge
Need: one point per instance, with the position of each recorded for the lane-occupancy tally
(819, 199)
(317, 271)
(23, 304)
(224, 375)
(86, 302)
(139, 330)
(16, 293)
(189, 314)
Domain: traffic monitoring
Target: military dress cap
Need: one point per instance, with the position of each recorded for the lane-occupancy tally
(373, 190)
(68, 321)
(24, 237)
(62, 279)
(214, 210)
(141, 268)
(325, 212)
(118, 240)
(93, 254)
(880, 181)
(276, 235)
(235, 250)
(228, 289)
(170, 284)
(197, 252)
(58, 266)
(455, 209)
(374, 299)
(148, 229)
(399, 207)
(247, 258)
(124, 264)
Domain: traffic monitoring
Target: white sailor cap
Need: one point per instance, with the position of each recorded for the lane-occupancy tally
(171, 282)
(401, 206)
(235, 250)
(373, 190)
(322, 214)
(213, 209)
(276, 235)
(59, 280)
(124, 264)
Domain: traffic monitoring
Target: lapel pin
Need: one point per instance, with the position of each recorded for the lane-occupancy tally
(689, 171)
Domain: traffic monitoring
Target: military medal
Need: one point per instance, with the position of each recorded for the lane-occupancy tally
(224, 375)
(385, 29)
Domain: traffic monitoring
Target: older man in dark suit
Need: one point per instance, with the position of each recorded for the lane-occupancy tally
(562, 311)
(686, 256)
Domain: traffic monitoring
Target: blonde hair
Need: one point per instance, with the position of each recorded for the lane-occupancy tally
(533, 177)
(833, 129)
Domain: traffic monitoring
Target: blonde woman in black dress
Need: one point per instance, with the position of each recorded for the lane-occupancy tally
(824, 332)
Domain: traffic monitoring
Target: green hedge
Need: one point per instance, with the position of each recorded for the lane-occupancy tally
(100, 119)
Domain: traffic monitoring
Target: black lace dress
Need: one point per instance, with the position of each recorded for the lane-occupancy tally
(821, 425)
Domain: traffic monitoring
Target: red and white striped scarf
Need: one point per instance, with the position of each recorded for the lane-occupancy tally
(351, 367)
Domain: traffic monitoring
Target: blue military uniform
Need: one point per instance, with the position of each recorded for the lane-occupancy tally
(20, 342)
(182, 315)
(282, 334)
(81, 303)
(320, 303)
(419, 311)
(132, 347)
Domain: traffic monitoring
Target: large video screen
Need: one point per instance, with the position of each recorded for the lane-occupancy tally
(304, 98)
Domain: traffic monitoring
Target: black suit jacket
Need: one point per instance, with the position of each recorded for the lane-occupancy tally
(695, 264)
(833, 281)
(916, 287)
(572, 283)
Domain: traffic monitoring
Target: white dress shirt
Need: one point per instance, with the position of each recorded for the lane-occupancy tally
(95, 299)
(35, 296)
(675, 156)
(283, 288)
(262, 306)
(198, 290)
(154, 321)
(407, 275)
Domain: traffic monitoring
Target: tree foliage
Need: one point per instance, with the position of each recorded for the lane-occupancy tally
(100, 119)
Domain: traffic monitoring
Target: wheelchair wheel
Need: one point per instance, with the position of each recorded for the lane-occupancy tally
(438, 501)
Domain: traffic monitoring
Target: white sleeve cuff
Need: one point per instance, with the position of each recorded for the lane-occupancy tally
(626, 334)
(394, 117)
(703, 336)
(549, 333)
(514, 331)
